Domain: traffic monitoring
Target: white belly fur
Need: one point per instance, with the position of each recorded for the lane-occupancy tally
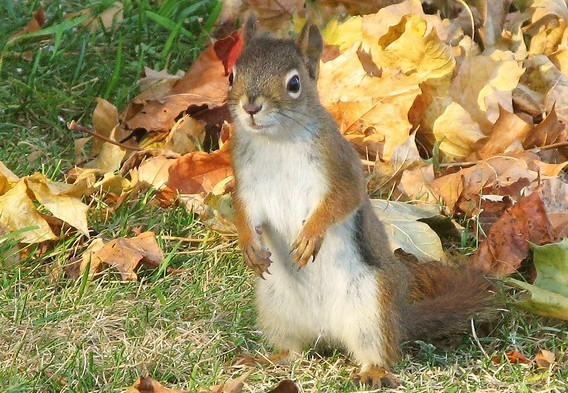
(334, 298)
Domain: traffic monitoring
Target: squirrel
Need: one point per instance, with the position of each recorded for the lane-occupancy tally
(306, 226)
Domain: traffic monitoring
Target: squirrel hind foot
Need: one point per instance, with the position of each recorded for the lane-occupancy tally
(375, 377)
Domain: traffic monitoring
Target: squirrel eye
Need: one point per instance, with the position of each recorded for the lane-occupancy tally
(293, 84)
(232, 77)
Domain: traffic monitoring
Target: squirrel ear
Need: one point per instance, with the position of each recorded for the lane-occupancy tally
(311, 45)
(249, 28)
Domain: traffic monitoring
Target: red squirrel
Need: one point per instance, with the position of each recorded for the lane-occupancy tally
(306, 226)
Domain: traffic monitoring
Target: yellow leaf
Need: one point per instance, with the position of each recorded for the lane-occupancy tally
(109, 158)
(485, 82)
(52, 196)
(407, 46)
(457, 132)
(344, 34)
(18, 212)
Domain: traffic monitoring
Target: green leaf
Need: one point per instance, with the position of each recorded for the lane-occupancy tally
(549, 292)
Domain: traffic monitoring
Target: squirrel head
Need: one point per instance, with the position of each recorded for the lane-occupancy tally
(273, 84)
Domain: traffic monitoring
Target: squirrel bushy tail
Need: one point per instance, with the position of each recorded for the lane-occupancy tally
(442, 300)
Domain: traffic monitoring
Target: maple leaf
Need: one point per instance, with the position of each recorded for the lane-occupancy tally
(18, 213)
(205, 84)
(123, 254)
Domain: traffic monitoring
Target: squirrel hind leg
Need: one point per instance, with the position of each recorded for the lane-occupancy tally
(376, 377)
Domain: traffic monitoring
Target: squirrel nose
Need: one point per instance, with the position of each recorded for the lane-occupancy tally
(252, 108)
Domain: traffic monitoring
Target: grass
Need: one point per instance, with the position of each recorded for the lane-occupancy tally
(182, 329)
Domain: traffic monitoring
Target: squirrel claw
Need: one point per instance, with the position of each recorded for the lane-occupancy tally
(305, 249)
(257, 258)
(376, 377)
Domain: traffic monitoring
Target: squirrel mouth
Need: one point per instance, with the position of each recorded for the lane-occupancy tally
(256, 126)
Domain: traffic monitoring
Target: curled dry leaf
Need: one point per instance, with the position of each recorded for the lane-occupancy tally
(544, 359)
(507, 242)
(123, 254)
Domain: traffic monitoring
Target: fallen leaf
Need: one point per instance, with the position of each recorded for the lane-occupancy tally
(554, 195)
(544, 359)
(205, 84)
(148, 385)
(405, 232)
(18, 213)
(514, 357)
(547, 132)
(35, 24)
(285, 386)
(199, 172)
(54, 196)
(275, 15)
(231, 386)
(507, 242)
(186, 135)
(123, 254)
(508, 129)
(456, 131)
(387, 173)
(483, 83)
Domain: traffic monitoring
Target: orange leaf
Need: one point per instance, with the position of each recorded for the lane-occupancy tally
(198, 172)
(513, 356)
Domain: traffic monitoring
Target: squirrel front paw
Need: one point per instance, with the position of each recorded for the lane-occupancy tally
(306, 246)
(257, 258)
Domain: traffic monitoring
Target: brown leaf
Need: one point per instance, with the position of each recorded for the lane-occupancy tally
(123, 254)
(35, 24)
(508, 129)
(544, 359)
(547, 132)
(148, 385)
(507, 242)
(275, 15)
(285, 386)
(205, 84)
